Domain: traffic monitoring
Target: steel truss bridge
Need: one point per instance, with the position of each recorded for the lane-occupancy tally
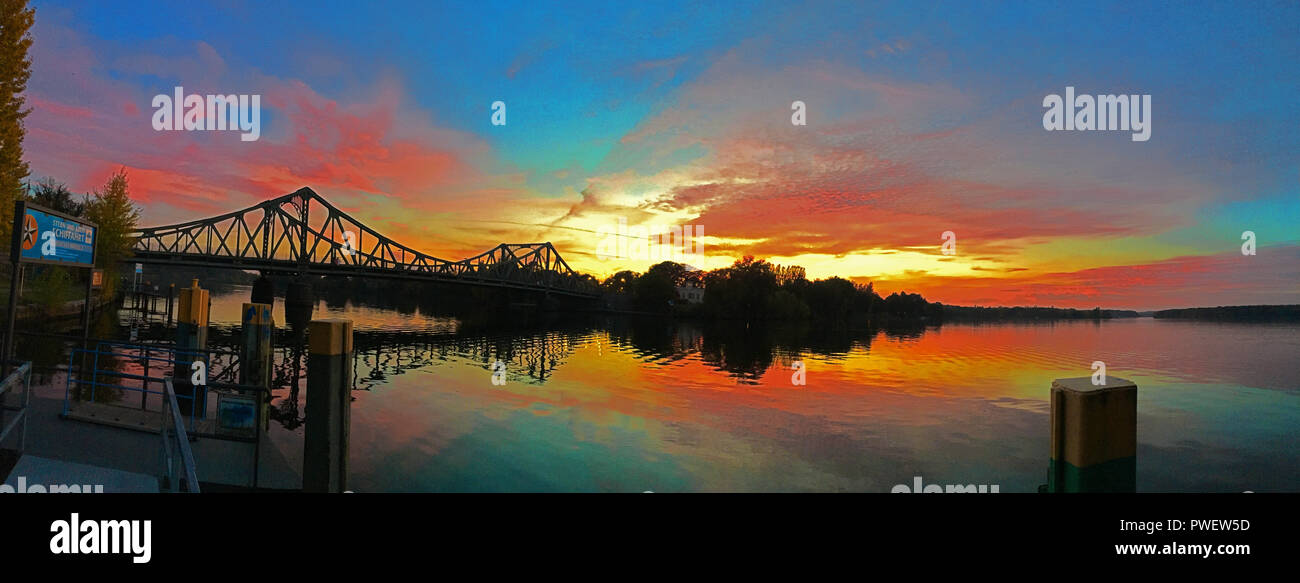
(303, 233)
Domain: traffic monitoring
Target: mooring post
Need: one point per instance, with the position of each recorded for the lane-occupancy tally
(1094, 436)
(329, 403)
(255, 357)
(191, 336)
(255, 352)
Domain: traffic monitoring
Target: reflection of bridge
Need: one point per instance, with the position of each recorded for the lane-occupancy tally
(284, 235)
(381, 355)
(536, 355)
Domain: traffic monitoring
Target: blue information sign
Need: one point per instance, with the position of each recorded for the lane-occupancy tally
(51, 238)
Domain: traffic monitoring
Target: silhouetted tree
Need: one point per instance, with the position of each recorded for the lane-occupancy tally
(52, 194)
(115, 216)
(15, 69)
(620, 282)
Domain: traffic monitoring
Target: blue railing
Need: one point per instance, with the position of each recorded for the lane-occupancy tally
(138, 360)
(121, 368)
(177, 457)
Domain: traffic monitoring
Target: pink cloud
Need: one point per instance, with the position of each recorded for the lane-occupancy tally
(375, 152)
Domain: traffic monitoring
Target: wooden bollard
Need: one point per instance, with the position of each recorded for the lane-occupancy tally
(1094, 436)
(329, 404)
(192, 337)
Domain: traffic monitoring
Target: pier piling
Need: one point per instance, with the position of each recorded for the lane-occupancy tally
(1094, 436)
(191, 336)
(329, 403)
(255, 349)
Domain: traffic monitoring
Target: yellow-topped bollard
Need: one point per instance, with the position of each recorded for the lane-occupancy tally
(191, 344)
(329, 404)
(1094, 436)
(193, 308)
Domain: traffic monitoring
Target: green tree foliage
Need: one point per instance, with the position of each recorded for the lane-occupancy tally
(656, 290)
(674, 273)
(51, 287)
(754, 290)
(116, 216)
(834, 298)
(620, 282)
(905, 305)
(740, 292)
(52, 194)
(785, 305)
(15, 69)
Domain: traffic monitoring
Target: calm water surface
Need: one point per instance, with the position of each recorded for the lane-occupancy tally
(627, 405)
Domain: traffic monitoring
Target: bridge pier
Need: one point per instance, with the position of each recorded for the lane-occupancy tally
(298, 303)
(263, 291)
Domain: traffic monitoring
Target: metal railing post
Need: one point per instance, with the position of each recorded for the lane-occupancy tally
(185, 457)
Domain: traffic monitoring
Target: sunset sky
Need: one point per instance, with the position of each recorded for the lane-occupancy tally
(921, 120)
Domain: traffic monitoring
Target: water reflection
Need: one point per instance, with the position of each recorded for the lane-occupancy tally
(604, 403)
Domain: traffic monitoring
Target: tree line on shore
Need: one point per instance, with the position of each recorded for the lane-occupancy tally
(754, 290)
(1277, 313)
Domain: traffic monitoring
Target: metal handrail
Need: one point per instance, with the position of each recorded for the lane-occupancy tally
(23, 375)
(172, 425)
(90, 375)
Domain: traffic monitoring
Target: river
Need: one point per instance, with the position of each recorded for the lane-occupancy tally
(627, 404)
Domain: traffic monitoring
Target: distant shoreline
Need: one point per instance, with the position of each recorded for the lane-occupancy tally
(1264, 313)
(1258, 313)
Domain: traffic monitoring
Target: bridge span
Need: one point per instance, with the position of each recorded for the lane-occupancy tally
(303, 233)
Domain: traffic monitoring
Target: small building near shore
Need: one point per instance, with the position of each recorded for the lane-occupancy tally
(690, 293)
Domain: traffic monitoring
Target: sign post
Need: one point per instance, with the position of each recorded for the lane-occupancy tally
(44, 236)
